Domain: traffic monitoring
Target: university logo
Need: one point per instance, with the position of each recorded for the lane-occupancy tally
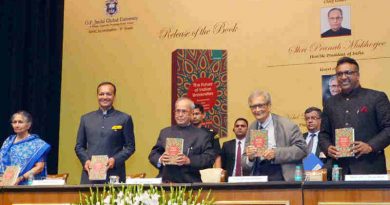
(111, 7)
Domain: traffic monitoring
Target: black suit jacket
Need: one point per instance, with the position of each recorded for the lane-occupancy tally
(368, 112)
(197, 146)
(228, 156)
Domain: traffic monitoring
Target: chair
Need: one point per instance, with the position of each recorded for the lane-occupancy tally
(63, 176)
(137, 175)
(213, 175)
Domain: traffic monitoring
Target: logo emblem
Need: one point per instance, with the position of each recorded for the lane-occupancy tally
(111, 7)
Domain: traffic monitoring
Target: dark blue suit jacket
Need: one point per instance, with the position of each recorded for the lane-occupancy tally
(111, 134)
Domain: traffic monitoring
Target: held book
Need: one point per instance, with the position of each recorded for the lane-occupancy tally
(345, 138)
(10, 175)
(259, 139)
(98, 170)
(173, 146)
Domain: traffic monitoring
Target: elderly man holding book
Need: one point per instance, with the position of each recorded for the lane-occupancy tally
(182, 149)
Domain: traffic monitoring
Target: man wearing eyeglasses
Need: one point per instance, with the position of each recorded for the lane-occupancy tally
(335, 19)
(313, 125)
(197, 152)
(286, 146)
(364, 110)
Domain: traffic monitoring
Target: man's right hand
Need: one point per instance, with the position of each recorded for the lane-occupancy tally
(164, 158)
(333, 152)
(87, 166)
(251, 152)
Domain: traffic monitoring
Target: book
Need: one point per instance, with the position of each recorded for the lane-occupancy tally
(312, 162)
(201, 75)
(98, 170)
(10, 175)
(173, 146)
(259, 139)
(345, 138)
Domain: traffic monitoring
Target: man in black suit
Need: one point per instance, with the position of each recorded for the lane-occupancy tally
(313, 125)
(366, 111)
(230, 149)
(198, 116)
(335, 19)
(197, 150)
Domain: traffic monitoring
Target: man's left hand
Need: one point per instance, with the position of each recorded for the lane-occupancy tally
(182, 159)
(111, 163)
(269, 154)
(361, 148)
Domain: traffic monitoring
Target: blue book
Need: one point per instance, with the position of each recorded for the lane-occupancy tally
(312, 162)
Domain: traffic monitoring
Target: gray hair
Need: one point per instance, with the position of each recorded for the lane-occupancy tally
(334, 77)
(190, 102)
(24, 114)
(258, 93)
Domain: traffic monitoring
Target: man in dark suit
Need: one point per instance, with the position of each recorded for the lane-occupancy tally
(197, 150)
(231, 162)
(313, 125)
(286, 146)
(364, 110)
(105, 131)
(335, 19)
(198, 116)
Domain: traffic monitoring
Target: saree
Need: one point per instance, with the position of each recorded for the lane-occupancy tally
(25, 154)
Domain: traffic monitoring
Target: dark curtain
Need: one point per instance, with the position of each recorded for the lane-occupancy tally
(30, 61)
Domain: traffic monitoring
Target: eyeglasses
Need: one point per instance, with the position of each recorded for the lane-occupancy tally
(260, 106)
(312, 118)
(347, 73)
(335, 18)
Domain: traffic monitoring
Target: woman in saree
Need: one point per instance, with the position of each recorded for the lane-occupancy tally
(23, 149)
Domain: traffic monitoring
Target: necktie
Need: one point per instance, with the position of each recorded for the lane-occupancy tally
(238, 160)
(310, 143)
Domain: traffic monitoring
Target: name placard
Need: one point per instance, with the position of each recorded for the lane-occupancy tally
(248, 179)
(143, 180)
(48, 182)
(367, 177)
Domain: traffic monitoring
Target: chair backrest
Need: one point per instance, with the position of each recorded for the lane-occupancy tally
(63, 176)
(137, 175)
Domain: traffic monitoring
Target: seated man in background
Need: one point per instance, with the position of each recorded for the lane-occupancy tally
(286, 146)
(232, 150)
(313, 125)
(197, 150)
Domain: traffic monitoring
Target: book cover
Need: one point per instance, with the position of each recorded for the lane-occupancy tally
(173, 147)
(259, 139)
(201, 75)
(344, 141)
(312, 162)
(10, 175)
(98, 169)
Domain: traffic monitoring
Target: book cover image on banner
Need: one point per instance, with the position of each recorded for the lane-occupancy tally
(201, 75)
